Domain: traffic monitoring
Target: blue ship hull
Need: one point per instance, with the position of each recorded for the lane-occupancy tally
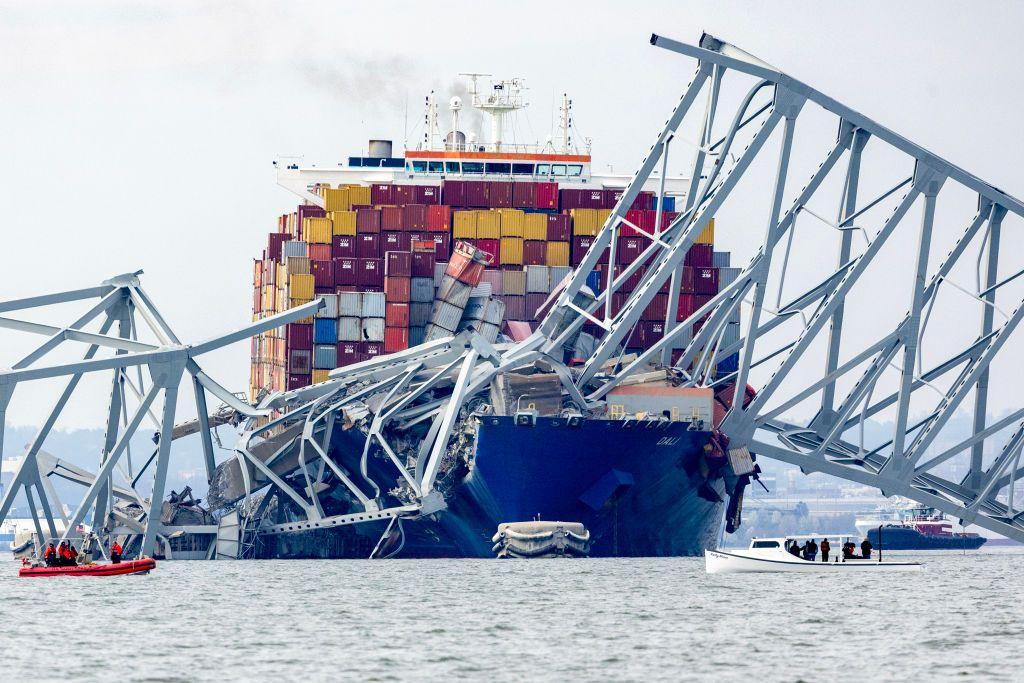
(907, 538)
(632, 484)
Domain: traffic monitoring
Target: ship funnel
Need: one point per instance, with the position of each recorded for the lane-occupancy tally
(380, 149)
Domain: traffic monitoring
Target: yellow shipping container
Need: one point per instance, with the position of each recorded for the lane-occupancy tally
(464, 225)
(557, 254)
(359, 195)
(320, 376)
(511, 250)
(708, 236)
(317, 230)
(488, 225)
(602, 218)
(281, 276)
(536, 226)
(584, 221)
(295, 303)
(337, 200)
(300, 287)
(343, 222)
(512, 222)
(297, 265)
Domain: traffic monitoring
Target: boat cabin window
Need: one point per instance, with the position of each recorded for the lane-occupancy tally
(451, 166)
(503, 169)
(472, 167)
(419, 167)
(557, 169)
(522, 169)
(436, 166)
(765, 544)
(543, 169)
(575, 169)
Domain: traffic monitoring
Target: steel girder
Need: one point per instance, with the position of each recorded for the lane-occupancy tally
(118, 475)
(776, 339)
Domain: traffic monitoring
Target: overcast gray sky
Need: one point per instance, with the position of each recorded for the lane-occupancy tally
(141, 135)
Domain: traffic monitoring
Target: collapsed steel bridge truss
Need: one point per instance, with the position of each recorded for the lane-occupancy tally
(786, 334)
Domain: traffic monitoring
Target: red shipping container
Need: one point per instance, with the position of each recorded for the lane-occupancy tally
(319, 252)
(381, 194)
(580, 247)
(499, 194)
(476, 194)
(367, 221)
(367, 246)
(299, 336)
(394, 241)
(405, 194)
(348, 353)
(534, 302)
(368, 350)
(534, 252)
(345, 272)
(423, 263)
(442, 245)
(666, 219)
(651, 332)
(686, 286)
(515, 307)
(559, 227)
(687, 306)
(396, 339)
(396, 314)
(398, 263)
(428, 194)
(629, 249)
(323, 273)
(274, 242)
(453, 192)
(439, 218)
(657, 309)
(414, 217)
(397, 288)
(391, 218)
(546, 196)
(569, 199)
(298, 381)
(629, 284)
(492, 247)
(343, 246)
(705, 280)
(524, 195)
(464, 268)
(643, 200)
(701, 256)
(370, 272)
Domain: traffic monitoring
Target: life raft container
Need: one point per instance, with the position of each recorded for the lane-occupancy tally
(139, 566)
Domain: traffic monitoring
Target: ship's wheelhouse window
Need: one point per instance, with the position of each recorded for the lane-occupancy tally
(472, 167)
(543, 169)
(419, 167)
(522, 169)
(504, 169)
(451, 166)
(557, 169)
(435, 166)
(766, 544)
(575, 169)
(616, 412)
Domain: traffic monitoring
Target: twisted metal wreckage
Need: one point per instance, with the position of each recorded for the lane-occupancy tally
(283, 445)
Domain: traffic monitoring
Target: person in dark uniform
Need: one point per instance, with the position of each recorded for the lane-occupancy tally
(865, 549)
(811, 550)
(794, 549)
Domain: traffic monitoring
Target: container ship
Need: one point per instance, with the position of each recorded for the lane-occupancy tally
(916, 527)
(456, 234)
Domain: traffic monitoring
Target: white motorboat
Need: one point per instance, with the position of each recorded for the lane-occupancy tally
(773, 555)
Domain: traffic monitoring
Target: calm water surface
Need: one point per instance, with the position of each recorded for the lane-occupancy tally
(648, 619)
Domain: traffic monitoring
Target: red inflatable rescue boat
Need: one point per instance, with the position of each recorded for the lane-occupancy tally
(140, 566)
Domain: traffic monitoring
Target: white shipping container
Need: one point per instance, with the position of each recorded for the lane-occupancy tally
(513, 282)
(439, 269)
(482, 289)
(495, 312)
(373, 307)
(294, 248)
(454, 292)
(419, 314)
(330, 307)
(556, 275)
(726, 276)
(721, 259)
(325, 356)
(488, 331)
(475, 308)
(373, 329)
(432, 333)
(537, 279)
(349, 329)
(446, 315)
(350, 304)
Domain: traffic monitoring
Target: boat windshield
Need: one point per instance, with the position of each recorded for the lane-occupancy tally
(765, 544)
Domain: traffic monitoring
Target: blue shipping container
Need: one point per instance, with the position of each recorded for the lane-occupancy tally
(729, 365)
(594, 281)
(670, 203)
(325, 331)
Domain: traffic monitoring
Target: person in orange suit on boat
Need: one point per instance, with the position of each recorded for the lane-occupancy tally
(115, 553)
(50, 556)
(63, 556)
(72, 554)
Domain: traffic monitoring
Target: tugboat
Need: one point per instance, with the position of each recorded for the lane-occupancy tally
(910, 526)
